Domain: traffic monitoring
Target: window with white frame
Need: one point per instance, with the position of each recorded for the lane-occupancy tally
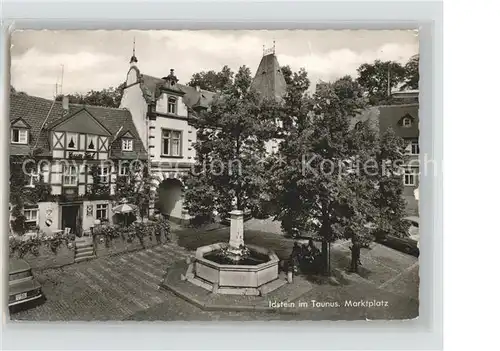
(414, 148)
(70, 175)
(410, 177)
(19, 136)
(71, 141)
(103, 174)
(127, 144)
(172, 105)
(31, 215)
(101, 211)
(33, 178)
(124, 169)
(91, 142)
(44, 171)
(171, 140)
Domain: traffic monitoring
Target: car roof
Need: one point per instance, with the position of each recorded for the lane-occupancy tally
(17, 265)
(413, 219)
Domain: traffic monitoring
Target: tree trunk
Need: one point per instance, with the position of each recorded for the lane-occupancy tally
(325, 253)
(325, 235)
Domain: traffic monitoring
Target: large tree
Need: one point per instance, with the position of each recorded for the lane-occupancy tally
(211, 80)
(296, 103)
(318, 186)
(412, 75)
(379, 78)
(110, 97)
(229, 172)
(389, 200)
(281, 189)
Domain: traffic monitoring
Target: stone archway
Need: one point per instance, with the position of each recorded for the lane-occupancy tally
(169, 200)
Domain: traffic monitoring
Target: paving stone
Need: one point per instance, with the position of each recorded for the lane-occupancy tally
(125, 287)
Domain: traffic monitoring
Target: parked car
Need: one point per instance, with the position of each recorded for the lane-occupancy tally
(23, 288)
(408, 244)
(414, 231)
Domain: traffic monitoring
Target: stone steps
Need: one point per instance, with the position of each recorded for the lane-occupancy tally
(84, 249)
(80, 254)
(84, 258)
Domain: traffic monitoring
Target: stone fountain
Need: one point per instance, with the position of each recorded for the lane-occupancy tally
(233, 267)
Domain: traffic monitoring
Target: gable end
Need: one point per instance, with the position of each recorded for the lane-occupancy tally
(82, 121)
(20, 123)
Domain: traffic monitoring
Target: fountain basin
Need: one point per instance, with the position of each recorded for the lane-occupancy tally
(255, 275)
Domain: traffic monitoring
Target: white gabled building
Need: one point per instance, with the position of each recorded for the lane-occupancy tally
(163, 111)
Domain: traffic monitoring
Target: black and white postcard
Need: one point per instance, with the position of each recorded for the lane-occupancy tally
(214, 175)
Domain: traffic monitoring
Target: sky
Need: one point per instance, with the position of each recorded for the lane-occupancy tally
(94, 60)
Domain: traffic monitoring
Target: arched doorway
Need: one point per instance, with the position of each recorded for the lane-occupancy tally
(170, 198)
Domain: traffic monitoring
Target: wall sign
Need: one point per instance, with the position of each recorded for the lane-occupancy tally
(48, 216)
(90, 210)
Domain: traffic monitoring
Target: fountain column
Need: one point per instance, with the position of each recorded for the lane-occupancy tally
(236, 242)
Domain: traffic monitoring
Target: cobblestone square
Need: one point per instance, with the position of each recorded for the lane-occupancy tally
(126, 287)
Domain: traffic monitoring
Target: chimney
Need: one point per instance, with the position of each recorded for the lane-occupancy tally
(65, 104)
(198, 88)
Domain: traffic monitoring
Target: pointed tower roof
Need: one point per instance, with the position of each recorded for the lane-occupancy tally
(133, 59)
(269, 80)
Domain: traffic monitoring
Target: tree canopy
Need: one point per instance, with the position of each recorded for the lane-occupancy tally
(379, 78)
(374, 78)
(110, 97)
(229, 173)
(211, 80)
(330, 178)
(412, 75)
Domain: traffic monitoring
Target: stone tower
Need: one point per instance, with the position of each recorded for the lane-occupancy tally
(269, 80)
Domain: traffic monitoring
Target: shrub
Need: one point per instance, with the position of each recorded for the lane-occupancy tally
(108, 232)
(162, 226)
(21, 247)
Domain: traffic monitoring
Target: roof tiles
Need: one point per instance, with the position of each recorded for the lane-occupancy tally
(39, 112)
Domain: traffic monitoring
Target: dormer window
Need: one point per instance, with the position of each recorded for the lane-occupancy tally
(172, 105)
(407, 122)
(19, 136)
(127, 145)
(71, 141)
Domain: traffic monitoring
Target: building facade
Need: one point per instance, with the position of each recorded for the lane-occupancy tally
(163, 111)
(77, 152)
(404, 121)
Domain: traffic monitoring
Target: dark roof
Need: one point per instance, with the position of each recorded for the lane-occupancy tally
(18, 265)
(35, 111)
(391, 116)
(192, 97)
(269, 80)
